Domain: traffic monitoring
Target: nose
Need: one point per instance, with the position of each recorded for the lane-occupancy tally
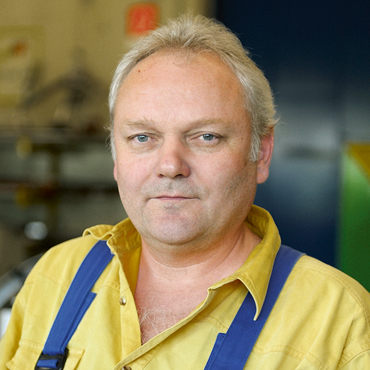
(172, 162)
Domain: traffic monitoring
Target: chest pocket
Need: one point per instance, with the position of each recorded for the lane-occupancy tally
(28, 353)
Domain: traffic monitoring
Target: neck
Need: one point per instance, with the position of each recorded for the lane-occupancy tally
(209, 264)
(171, 285)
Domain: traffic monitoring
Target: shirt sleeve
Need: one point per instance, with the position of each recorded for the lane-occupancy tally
(9, 343)
(361, 361)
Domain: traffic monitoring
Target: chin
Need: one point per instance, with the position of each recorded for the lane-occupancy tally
(174, 233)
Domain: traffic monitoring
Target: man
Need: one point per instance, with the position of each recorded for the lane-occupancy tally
(192, 136)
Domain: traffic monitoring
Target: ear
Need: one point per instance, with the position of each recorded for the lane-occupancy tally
(115, 170)
(264, 158)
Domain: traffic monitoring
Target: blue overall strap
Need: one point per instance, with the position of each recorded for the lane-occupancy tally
(232, 349)
(75, 304)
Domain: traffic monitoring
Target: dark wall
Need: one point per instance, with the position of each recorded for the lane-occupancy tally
(316, 56)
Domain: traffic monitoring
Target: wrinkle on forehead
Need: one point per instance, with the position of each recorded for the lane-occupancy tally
(184, 58)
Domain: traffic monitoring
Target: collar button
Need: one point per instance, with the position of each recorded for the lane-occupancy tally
(122, 300)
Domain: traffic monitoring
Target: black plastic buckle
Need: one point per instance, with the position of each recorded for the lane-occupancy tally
(60, 363)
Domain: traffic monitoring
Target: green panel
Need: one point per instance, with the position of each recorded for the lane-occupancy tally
(355, 221)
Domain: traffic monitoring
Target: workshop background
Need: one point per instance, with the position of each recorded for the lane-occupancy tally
(56, 62)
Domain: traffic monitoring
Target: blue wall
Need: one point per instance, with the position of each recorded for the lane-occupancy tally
(316, 56)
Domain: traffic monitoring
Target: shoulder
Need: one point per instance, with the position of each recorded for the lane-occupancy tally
(50, 279)
(60, 263)
(330, 304)
(326, 286)
(312, 273)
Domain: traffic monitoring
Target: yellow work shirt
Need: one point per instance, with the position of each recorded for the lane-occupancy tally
(320, 320)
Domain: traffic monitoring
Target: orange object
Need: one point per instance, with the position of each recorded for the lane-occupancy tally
(142, 18)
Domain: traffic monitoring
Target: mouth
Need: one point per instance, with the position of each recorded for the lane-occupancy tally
(172, 197)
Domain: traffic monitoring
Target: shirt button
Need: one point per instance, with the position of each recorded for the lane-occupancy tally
(122, 302)
(126, 368)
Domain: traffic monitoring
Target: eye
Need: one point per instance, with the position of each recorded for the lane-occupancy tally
(142, 138)
(208, 137)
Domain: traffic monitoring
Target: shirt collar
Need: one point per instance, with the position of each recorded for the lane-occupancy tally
(255, 272)
(122, 238)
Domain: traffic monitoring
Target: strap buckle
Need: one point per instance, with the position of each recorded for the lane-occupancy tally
(49, 362)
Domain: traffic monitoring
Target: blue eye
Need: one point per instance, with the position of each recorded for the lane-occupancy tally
(208, 137)
(142, 138)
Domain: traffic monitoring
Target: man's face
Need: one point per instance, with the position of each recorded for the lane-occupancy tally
(183, 141)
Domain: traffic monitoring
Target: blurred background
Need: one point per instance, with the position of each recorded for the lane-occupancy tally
(56, 62)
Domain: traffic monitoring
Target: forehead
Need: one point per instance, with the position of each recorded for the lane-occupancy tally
(183, 58)
(175, 82)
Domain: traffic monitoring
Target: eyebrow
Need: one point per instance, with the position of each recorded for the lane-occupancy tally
(145, 123)
(140, 123)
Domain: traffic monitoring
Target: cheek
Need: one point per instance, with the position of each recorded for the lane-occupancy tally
(226, 175)
(121, 175)
(115, 171)
(242, 179)
(130, 174)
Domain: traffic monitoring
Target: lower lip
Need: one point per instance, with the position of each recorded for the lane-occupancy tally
(172, 198)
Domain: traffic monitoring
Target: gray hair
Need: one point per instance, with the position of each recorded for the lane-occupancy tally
(199, 34)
